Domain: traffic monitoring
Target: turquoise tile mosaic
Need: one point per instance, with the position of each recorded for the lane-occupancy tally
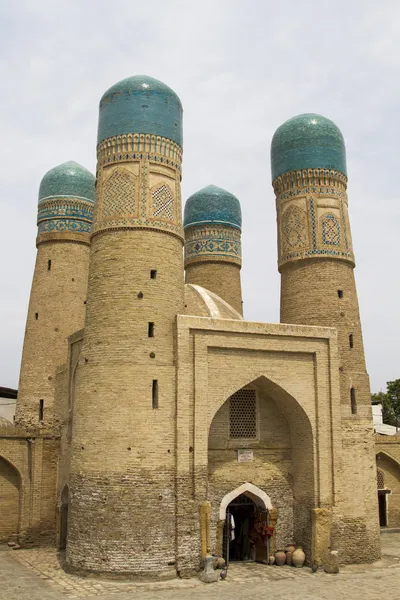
(308, 141)
(140, 104)
(212, 204)
(68, 179)
(66, 199)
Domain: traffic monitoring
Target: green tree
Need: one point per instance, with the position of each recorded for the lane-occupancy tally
(390, 401)
(393, 396)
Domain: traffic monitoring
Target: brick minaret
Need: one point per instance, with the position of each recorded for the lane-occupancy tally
(122, 513)
(213, 254)
(316, 262)
(59, 286)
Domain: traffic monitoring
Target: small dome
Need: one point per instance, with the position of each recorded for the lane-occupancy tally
(5, 423)
(140, 104)
(200, 302)
(68, 179)
(212, 204)
(307, 141)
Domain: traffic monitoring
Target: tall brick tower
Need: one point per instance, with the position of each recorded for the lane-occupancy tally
(122, 513)
(213, 257)
(59, 286)
(316, 262)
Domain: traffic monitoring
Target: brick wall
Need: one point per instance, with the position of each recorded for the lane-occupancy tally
(222, 278)
(56, 310)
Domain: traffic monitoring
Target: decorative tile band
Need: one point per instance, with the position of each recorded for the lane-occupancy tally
(139, 146)
(213, 242)
(308, 178)
(64, 214)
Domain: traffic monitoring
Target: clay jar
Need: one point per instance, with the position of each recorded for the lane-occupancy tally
(290, 548)
(289, 558)
(298, 557)
(280, 557)
(272, 560)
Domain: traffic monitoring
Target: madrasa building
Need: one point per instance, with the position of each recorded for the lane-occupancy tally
(149, 410)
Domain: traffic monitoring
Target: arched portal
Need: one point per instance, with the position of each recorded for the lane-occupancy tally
(258, 496)
(388, 479)
(10, 494)
(246, 512)
(64, 517)
(261, 436)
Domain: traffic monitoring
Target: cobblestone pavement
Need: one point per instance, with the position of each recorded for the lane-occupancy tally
(37, 574)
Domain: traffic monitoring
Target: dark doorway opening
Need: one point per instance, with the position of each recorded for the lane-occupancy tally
(64, 518)
(241, 540)
(382, 509)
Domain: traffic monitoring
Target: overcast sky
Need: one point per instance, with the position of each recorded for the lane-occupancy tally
(241, 68)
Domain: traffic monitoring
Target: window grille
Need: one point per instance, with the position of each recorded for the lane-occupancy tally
(381, 480)
(242, 415)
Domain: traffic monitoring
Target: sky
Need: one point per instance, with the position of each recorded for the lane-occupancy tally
(241, 68)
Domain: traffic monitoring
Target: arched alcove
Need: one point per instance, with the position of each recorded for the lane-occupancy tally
(10, 499)
(389, 495)
(275, 456)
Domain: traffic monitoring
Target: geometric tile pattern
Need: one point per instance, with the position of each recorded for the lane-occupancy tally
(381, 479)
(163, 203)
(119, 194)
(330, 228)
(242, 414)
(212, 241)
(65, 214)
(294, 227)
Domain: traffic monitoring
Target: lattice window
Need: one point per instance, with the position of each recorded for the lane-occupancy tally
(163, 203)
(119, 194)
(243, 414)
(330, 230)
(294, 227)
(381, 479)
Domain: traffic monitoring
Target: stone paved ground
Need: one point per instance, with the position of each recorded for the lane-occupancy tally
(37, 575)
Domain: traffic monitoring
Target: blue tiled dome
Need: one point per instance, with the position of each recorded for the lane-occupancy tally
(212, 204)
(68, 179)
(308, 141)
(66, 200)
(140, 104)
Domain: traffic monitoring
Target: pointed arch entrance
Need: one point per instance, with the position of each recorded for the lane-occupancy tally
(388, 479)
(245, 512)
(10, 499)
(258, 496)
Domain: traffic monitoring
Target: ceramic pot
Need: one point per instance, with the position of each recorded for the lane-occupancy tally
(298, 557)
(280, 557)
(289, 558)
(290, 548)
(272, 560)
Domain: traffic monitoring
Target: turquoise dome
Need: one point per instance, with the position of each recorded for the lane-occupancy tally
(140, 104)
(212, 204)
(307, 141)
(68, 179)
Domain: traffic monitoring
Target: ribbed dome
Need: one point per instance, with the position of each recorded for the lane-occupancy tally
(5, 423)
(308, 141)
(212, 204)
(68, 179)
(200, 302)
(140, 104)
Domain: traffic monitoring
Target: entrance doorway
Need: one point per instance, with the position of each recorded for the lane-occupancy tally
(241, 539)
(382, 503)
